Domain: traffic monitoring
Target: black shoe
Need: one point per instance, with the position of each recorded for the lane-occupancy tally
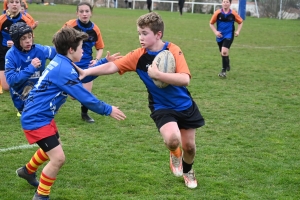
(30, 178)
(222, 74)
(228, 68)
(87, 118)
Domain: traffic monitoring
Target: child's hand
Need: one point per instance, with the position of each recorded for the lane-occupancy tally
(80, 71)
(153, 71)
(236, 34)
(117, 114)
(112, 57)
(36, 62)
(218, 34)
(10, 43)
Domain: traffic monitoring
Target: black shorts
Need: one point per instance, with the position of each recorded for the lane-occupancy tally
(190, 118)
(49, 143)
(225, 43)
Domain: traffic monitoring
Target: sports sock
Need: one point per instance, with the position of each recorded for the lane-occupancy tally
(186, 167)
(84, 109)
(177, 152)
(225, 62)
(45, 184)
(37, 159)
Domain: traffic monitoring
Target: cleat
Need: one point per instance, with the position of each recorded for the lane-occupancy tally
(30, 178)
(87, 118)
(222, 74)
(1, 90)
(19, 114)
(176, 165)
(190, 179)
(40, 197)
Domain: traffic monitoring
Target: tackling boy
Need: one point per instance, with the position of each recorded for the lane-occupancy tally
(59, 80)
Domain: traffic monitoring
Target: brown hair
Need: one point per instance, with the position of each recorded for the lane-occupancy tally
(67, 38)
(153, 21)
(85, 3)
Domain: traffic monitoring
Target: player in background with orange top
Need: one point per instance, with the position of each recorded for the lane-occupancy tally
(83, 23)
(172, 108)
(11, 16)
(225, 31)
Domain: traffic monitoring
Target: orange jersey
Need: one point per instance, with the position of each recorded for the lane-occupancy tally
(94, 40)
(130, 62)
(171, 97)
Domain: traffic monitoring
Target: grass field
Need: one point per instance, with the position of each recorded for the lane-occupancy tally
(249, 148)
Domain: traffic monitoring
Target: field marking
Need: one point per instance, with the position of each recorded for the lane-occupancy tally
(24, 146)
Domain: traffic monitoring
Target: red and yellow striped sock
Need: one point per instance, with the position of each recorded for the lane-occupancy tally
(177, 152)
(45, 184)
(37, 159)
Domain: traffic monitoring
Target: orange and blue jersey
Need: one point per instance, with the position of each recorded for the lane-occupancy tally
(225, 23)
(5, 24)
(171, 97)
(94, 40)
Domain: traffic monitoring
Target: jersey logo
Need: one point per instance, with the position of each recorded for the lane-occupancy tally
(71, 82)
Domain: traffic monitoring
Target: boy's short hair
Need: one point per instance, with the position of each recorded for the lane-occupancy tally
(67, 38)
(153, 21)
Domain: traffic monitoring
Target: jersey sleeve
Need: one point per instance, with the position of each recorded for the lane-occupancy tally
(99, 43)
(68, 82)
(181, 64)
(129, 61)
(213, 19)
(71, 23)
(238, 18)
(14, 76)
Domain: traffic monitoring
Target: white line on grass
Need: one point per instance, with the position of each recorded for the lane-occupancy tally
(24, 146)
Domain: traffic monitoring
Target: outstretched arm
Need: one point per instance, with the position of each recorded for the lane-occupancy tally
(107, 68)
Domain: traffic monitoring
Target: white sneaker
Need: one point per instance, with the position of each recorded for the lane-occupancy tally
(190, 179)
(176, 165)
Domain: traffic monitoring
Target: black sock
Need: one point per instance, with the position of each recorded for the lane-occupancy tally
(186, 167)
(84, 109)
(225, 62)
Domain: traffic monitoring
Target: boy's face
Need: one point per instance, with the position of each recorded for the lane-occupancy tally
(225, 4)
(22, 10)
(75, 56)
(14, 6)
(84, 13)
(147, 38)
(26, 41)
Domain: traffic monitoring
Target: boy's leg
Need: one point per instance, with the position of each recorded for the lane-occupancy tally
(28, 172)
(53, 149)
(171, 135)
(189, 149)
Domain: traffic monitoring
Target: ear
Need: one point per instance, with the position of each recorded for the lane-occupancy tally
(158, 35)
(71, 51)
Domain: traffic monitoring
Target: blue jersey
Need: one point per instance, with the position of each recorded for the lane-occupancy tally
(225, 23)
(20, 73)
(171, 97)
(94, 40)
(58, 80)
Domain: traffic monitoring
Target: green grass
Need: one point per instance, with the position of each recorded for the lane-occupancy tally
(248, 149)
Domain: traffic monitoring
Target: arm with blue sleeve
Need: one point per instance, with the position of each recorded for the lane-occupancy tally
(73, 86)
(15, 75)
(90, 78)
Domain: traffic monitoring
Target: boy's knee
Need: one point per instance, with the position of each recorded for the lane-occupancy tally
(190, 149)
(173, 143)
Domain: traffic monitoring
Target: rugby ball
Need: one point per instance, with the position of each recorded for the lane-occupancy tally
(165, 62)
